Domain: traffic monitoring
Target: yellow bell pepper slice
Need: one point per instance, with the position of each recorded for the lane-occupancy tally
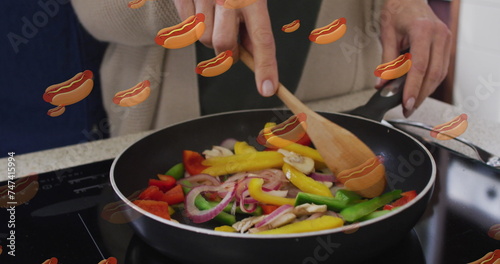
(305, 183)
(321, 223)
(242, 147)
(259, 160)
(295, 147)
(225, 228)
(255, 190)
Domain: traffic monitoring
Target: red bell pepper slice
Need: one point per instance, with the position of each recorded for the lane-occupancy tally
(406, 198)
(268, 208)
(192, 162)
(165, 182)
(174, 195)
(158, 208)
(152, 193)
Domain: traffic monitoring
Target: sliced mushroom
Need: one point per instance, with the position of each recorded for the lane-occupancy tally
(299, 162)
(245, 224)
(309, 209)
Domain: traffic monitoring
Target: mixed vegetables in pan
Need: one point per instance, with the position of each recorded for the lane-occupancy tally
(285, 188)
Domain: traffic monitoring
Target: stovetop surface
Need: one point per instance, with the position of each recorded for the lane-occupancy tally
(65, 218)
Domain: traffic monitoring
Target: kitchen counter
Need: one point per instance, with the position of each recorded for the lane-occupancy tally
(483, 133)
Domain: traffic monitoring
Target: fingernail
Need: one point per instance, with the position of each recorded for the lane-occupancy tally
(267, 88)
(409, 104)
(379, 81)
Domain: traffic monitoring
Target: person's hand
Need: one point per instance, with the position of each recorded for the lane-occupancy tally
(250, 25)
(412, 24)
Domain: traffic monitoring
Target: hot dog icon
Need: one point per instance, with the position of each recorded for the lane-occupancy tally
(51, 261)
(494, 232)
(24, 189)
(292, 130)
(329, 33)
(291, 27)
(395, 68)
(450, 129)
(183, 34)
(215, 66)
(235, 4)
(136, 4)
(134, 95)
(367, 179)
(489, 258)
(56, 111)
(70, 91)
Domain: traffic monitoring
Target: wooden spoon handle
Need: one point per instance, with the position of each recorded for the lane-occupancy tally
(283, 93)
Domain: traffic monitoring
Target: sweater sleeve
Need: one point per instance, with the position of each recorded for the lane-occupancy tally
(113, 21)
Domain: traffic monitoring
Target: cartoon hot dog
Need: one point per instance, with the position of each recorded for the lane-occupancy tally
(56, 111)
(134, 95)
(291, 27)
(293, 130)
(329, 33)
(490, 258)
(494, 232)
(450, 129)
(215, 66)
(51, 261)
(183, 34)
(367, 179)
(70, 91)
(235, 4)
(25, 189)
(395, 68)
(136, 4)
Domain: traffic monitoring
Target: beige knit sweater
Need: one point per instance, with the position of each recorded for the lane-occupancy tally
(132, 56)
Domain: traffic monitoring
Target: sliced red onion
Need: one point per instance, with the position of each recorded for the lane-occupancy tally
(323, 177)
(198, 216)
(275, 214)
(202, 179)
(250, 209)
(228, 143)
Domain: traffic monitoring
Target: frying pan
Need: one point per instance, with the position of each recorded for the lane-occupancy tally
(408, 164)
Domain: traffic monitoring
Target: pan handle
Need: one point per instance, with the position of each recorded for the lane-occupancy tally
(382, 101)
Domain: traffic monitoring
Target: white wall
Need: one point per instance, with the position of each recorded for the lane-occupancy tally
(477, 72)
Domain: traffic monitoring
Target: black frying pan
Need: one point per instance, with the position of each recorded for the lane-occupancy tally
(408, 164)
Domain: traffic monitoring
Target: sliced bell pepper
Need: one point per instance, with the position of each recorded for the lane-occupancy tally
(165, 182)
(341, 200)
(192, 162)
(225, 228)
(152, 193)
(174, 195)
(308, 225)
(255, 190)
(243, 162)
(304, 183)
(158, 208)
(406, 197)
(357, 211)
(268, 208)
(242, 147)
(176, 171)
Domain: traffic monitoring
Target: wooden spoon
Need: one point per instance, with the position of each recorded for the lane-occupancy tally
(338, 146)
